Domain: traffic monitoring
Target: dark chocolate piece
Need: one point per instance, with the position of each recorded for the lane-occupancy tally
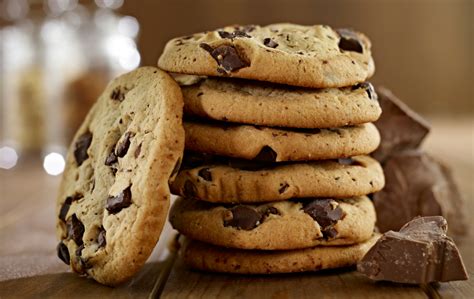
(227, 57)
(400, 127)
(420, 252)
(101, 240)
(349, 41)
(369, 88)
(111, 159)
(116, 203)
(122, 148)
(266, 154)
(63, 253)
(75, 229)
(270, 43)
(418, 185)
(243, 217)
(82, 145)
(323, 212)
(205, 174)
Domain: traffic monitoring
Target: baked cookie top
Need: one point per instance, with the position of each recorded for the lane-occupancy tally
(114, 195)
(274, 105)
(311, 56)
(295, 224)
(253, 142)
(226, 180)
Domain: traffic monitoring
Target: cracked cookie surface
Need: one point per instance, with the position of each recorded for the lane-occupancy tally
(310, 56)
(114, 195)
(294, 224)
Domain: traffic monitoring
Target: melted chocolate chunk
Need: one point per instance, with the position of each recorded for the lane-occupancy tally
(63, 253)
(329, 232)
(369, 88)
(283, 188)
(349, 41)
(420, 252)
(268, 212)
(123, 200)
(227, 57)
(111, 159)
(75, 229)
(81, 147)
(266, 154)
(118, 94)
(232, 35)
(205, 174)
(67, 204)
(189, 189)
(122, 148)
(243, 217)
(101, 240)
(322, 211)
(270, 43)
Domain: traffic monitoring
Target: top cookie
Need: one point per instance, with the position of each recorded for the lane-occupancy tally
(114, 195)
(309, 56)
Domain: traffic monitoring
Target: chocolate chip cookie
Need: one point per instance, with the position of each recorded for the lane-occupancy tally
(233, 181)
(274, 105)
(293, 224)
(310, 56)
(206, 257)
(114, 195)
(253, 142)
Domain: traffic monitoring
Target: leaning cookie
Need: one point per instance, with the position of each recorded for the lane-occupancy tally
(310, 56)
(274, 105)
(114, 195)
(254, 142)
(278, 225)
(251, 182)
(206, 257)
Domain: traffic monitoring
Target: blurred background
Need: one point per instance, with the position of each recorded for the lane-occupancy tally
(57, 55)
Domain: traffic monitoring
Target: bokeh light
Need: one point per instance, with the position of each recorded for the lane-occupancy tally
(8, 157)
(54, 164)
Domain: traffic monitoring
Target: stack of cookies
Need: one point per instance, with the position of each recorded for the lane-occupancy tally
(276, 172)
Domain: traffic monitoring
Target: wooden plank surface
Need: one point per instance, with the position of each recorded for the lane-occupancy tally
(29, 267)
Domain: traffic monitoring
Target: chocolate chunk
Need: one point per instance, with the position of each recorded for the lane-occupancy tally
(267, 212)
(75, 229)
(67, 204)
(283, 188)
(416, 184)
(118, 94)
(369, 88)
(349, 41)
(323, 212)
(190, 190)
(270, 43)
(101, 240)
(227, 57)
(79, 250)
(266, 154)
(122, 148)
(329, 232)
(123, 200)
(243, 217)
(111, 159)
(232, 35)
(138, 150)
(400, 127)
(63, 253)
(205, 174)
(82, 144)
(420, 252)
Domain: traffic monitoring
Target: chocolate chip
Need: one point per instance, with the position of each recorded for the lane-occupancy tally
(82, 144)
(323, 212)
(369, 88)
(266, 154)
(270, 43)
(349, 41)
(227, 57)
(63, 253)
(329, 232)
(118, 94)
(75, 229)
(101, 240)
(111, 159)
(122, 147)
(123, 200)
(205, 174)
(232, 35)
(243, 217)
(79, 250)
(67, 204)
(138, 150)
(189, 189)
(240, 33)
(283, 188)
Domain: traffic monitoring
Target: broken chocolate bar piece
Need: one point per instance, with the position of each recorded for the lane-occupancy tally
(400, 127)
(418, 185)
(419, 253)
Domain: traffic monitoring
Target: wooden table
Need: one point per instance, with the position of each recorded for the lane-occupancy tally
(29, 267)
